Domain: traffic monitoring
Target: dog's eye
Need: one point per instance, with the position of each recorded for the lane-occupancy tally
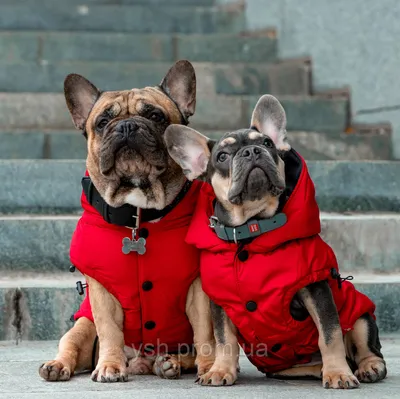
(101, 124)
(222, 157)
(268, 143)
(157, 117)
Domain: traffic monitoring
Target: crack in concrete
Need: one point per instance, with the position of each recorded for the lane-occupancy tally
(378, 109)
(17, 313)
(17, 316)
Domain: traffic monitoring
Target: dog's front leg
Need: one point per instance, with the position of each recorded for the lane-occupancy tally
(74, 352)
(318, 300)
(199, 314)
(108, 318)
(225, 368)
(364, 349)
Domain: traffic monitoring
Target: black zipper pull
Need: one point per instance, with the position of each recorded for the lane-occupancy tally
(80, 287)
(348, 278)
(335, 275)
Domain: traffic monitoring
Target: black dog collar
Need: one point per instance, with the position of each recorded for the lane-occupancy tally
(252, 228)
(127, 215)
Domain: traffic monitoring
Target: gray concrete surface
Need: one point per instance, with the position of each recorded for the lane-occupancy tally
(48, 186)
(362, 243)
(44, 302)
(213, 112)
(282, 78)
(163, 18)
(19, 379)
(70, 144)
(351, 42)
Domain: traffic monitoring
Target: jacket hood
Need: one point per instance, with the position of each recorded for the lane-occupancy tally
(298, 204)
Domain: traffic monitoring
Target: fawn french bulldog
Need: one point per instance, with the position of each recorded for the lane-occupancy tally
(146, 302)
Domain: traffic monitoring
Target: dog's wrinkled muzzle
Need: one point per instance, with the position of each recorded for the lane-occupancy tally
(254, 174)
(129, 139)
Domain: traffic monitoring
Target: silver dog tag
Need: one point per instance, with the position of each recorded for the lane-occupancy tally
(133, 245)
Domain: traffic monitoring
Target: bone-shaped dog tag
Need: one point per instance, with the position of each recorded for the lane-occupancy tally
(133, 245)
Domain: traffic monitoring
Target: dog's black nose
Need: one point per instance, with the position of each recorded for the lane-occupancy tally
(126, 128)
(251, 152)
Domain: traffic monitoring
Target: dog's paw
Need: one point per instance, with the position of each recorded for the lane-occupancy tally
(218, 376)
(54, 371)
(339, 379)
(371, 369)
(140, 366)
(167, 366)
(110, 372)
(204, 364)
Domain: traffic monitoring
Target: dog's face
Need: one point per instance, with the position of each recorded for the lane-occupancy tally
(245, 167)
(127, 158)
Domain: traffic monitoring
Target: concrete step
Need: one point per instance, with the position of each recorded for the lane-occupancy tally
(285, 78)
(343, 146)
(366, 243)
(304, 113)
(282, 78)
(44, 304)
(42, 47)
(186, 3)
(363, 243)
(69, 144)
(49, 186)
(39, 306)
(42, 144)
(357, 146)
(311, 114)
(145, 18)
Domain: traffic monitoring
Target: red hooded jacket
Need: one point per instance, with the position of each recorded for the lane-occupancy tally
(152, 288)
(256, 292)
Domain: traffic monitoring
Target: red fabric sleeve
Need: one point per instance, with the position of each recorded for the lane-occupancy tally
(85, 310)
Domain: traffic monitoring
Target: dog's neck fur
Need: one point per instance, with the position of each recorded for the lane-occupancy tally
(235, 215)
(173, 187)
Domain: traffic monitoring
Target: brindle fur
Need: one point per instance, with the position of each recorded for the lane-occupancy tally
(225, 369)
(249, 185)
(128, 163)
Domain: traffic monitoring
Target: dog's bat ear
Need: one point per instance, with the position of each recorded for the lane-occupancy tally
(180, 85)
(80, 96)
(269, 118)
(189, 149)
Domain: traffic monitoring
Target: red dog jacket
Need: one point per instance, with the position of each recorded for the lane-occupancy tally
(256, 283)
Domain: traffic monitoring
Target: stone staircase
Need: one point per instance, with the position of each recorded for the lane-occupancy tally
(119, 44)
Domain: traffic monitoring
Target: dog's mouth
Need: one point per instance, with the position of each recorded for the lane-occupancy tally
(128, 183)
(257, 173)
(133, 166)
(255, 183)
(127, 154)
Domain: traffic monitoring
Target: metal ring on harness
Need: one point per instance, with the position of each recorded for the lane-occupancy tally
(234, 235)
